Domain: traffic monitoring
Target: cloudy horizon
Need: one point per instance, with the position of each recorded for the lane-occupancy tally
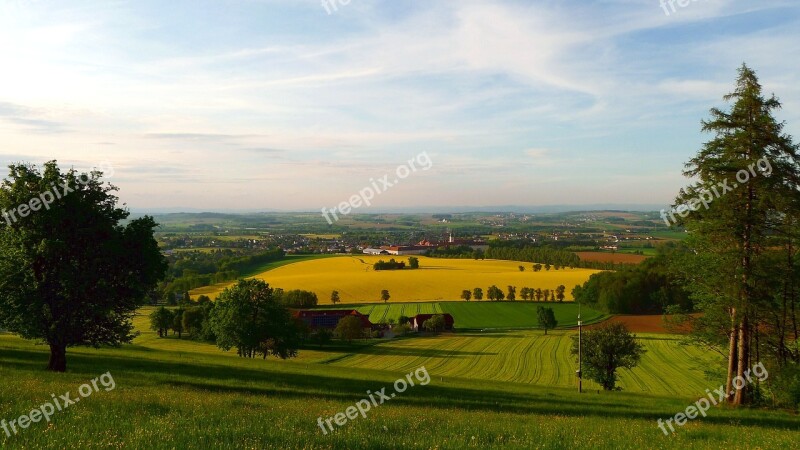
(287, 105)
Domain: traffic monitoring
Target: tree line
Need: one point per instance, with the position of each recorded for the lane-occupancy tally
(647, 288)
(494, 293)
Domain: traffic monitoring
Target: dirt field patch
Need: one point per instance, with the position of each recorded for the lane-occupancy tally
(611, 257)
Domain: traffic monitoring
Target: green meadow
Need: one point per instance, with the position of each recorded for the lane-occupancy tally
(479, 315)
(512, 389)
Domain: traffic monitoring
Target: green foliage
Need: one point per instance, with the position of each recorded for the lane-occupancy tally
(71, 274)
(547, 318)
(560, 292)
(477, 294)
(413, 262)
(434, 323)
(646, 288)
(177, 322)
(385, 295)
(298, 299)
(402, 329)
(192, 320)
(389, 265)
(741, 212)
(249, 317)
(494, 293)
(321, 337)
(349, 328)
(161, 320)
(785, 383)
(466, 295)
(335, 297)
(606, 349)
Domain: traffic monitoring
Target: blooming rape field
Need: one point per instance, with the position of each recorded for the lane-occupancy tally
(436, 279)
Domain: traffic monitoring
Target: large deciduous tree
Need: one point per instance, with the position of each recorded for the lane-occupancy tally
(349, 328)
(604, 350)
(547, 318)
(250, 317)
(71, 274)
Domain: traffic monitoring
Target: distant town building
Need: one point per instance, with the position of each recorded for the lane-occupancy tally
(375, 251)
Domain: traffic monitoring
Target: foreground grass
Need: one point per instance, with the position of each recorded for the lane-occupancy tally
(194, 396)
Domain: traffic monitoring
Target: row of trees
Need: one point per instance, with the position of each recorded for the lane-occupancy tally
(191, 270)
(250, 316)
(494, 293)
(543, 255)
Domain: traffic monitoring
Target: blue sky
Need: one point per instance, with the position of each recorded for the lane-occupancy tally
(279, 104)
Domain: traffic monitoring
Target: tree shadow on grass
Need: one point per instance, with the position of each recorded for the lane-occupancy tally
(285, 382)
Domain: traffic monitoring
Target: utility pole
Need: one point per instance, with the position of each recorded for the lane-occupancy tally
(580, 366)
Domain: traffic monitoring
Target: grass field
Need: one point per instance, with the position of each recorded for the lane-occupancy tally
(479, 315)
(437, 279)
(531, 357)
(181, 394)
(474, 315)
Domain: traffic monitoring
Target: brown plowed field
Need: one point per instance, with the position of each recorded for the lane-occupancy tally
(611, 257)
(639, 324)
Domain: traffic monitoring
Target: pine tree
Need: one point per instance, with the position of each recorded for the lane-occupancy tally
(746, 185)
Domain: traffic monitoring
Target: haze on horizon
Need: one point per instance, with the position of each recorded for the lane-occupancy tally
(279, 104)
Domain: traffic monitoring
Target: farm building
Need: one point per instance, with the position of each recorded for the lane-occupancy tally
(316, 319)
(417, 321)
(406, 250)
(375, 251)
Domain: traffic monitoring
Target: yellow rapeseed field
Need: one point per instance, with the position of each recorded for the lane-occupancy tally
(436, 279)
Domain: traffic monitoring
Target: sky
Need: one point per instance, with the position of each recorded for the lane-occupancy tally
(301, 104)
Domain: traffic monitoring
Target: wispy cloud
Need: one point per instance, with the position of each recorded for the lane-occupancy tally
(296, 108)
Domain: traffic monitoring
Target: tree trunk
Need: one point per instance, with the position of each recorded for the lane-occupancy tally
(732, 361)
(58, 358)
(741, 394)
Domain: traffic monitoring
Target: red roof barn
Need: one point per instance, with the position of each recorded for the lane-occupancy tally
(329, 318)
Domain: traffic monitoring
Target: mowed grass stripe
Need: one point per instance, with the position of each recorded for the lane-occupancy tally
(531, 357)
(480, 315)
